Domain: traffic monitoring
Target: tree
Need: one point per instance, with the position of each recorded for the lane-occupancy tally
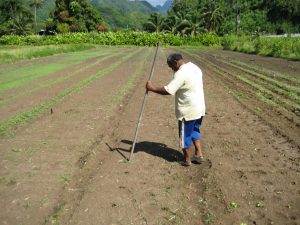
(190, 17)
(195, 24)
(154, 23)
(36, 4)
(213, 15)
(170, 24)
(9, 8)
(75, 16)
(176, 23)
(15, 18)
(184, 6)
(284, 14)
(21, 24)
(282, 10)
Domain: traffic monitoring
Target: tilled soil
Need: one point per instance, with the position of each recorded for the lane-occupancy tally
(69, 165)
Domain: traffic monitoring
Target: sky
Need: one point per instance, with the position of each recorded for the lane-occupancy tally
(156, 2)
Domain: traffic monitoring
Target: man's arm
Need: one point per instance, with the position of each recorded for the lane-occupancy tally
(156, 89)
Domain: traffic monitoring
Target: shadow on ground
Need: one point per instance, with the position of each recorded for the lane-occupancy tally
(152, 148)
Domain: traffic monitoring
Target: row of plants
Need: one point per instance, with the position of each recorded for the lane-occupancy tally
(284, 47)
(9, 54)
(7, 126)
(113, 38)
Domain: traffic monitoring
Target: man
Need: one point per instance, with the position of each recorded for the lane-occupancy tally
(187, 86)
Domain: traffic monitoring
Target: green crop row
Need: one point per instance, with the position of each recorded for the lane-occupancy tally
(285, 47)
(112, 38)
(10, 54)
(6, 127)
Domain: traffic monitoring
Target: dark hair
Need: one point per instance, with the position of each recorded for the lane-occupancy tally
(173, 58)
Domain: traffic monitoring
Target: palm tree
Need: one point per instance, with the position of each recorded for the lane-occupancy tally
(213, 15)
(170, 24)
(15, 18)
(176, 23)
(195, 24)
(154, 23)
(36, 4)
(21, 24)
(9, 8)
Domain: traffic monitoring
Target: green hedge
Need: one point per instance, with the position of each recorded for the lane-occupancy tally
(285, 47)
(112, 38)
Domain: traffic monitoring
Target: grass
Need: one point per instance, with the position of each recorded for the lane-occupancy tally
(122, 91)
(30, 74)
(2, 180)
(54, 218)
(54, 81)
(270, 97)
(274, 84)
(285, 47)
(11, 54)
(209, 218)
(233, 205)
(267, 78)
(15, 76)
(7, 125)
(27, 205)
(268, 72)
(260, 204)
(66, 178)
(11, 181)
(265, 92)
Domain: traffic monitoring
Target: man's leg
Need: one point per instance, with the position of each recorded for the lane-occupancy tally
(187, 154)
(198, 149)
(196, 137)
(185, 135)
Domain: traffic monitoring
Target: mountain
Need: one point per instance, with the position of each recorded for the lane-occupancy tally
(124, 13)
(163, 9)
(117, 14)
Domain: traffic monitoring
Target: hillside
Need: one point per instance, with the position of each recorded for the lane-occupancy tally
(116, 13)
(124, 14)
(164, 8)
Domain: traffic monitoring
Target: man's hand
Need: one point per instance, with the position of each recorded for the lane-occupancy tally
(156, 89)
(149, 86)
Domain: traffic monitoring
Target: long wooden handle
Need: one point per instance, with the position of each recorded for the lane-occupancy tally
(143, 105)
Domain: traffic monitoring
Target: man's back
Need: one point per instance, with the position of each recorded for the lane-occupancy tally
(187, 86)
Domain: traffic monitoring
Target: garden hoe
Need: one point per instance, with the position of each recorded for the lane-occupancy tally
(143, 105)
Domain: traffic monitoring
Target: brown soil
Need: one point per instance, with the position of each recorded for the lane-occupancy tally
(70, 166)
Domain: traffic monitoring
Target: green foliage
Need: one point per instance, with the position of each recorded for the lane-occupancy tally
(15, 18)
(282, 10)
(62, 28)
(120, 14)
(10, 54)
(154, 23)
(213, 14)
(7, 126)
(243, 17)
(110, 38)
(286, 47)
(75, 16)
(36, 4)
(190, 17)
(255, 22)
(206, 39)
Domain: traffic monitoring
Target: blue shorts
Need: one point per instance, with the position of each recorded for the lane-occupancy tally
(189, 131)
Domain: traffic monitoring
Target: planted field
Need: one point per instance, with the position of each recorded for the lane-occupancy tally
(273, 95)
(68, 122)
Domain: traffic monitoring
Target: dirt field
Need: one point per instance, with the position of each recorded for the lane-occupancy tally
(66, 163)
